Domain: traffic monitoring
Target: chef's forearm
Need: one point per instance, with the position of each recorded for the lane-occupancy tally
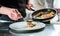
(1, 9)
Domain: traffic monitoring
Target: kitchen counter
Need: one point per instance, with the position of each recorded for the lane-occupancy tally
(48, 31)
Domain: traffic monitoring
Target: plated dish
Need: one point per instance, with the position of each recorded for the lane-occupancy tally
(26, 26)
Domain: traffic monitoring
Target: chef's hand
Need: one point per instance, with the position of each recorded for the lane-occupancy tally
(29, 5)
(13, 14)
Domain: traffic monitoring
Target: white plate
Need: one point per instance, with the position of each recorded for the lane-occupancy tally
(23, 26)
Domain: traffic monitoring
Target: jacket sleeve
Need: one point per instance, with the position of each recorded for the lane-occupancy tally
(18, 4)
(0, 5)
(27, 1)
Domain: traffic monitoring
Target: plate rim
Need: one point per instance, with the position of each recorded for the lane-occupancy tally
(27, 29)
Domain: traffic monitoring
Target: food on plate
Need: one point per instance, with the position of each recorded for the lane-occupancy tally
(45, 15)
(30, 24)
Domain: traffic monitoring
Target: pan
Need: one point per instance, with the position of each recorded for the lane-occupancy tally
(48, 10)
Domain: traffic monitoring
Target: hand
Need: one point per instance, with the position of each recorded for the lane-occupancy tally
(13, 14)
(29, 5)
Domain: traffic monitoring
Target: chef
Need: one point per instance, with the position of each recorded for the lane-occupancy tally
(13, 10)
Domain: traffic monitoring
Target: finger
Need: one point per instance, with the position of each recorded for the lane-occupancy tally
(18, 11)
(15, 13)
(19, 14)
(13, 17)
(32, 5)
(28, 7)
(18, 17)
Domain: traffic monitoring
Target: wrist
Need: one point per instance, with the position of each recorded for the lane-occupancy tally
(2, 10)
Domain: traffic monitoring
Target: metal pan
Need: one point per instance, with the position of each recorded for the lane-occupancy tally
(43, 10)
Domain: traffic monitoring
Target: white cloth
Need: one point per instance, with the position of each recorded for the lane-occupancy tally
(56, 4)
(37, 5)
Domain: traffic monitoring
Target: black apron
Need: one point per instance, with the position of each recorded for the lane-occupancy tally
(18, 4)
